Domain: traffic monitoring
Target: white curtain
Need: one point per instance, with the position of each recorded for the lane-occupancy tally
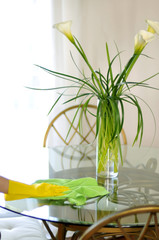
(26, 39)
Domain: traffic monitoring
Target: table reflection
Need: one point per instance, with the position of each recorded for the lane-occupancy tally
(136, 184)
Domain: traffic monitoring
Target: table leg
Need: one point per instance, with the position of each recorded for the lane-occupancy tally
(61, 234)
(49, 230)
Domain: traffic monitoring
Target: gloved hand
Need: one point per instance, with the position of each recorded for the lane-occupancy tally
(18, 190)
(81, 189)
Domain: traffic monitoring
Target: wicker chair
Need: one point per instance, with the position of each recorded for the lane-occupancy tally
(115, 226)
(88, 123)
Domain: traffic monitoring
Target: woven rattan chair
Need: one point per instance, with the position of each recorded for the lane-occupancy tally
(88, 123)
(105, 226)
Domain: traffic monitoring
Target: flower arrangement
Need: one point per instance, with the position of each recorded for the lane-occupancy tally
(110, 90)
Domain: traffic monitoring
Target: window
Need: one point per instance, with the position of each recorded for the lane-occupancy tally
(26, 39)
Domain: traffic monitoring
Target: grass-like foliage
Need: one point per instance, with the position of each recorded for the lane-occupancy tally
(112, 91)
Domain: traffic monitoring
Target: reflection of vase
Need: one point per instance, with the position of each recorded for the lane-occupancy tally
(105, 204)
(107, 142)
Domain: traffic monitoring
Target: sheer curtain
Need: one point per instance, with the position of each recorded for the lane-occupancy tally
(26, 39)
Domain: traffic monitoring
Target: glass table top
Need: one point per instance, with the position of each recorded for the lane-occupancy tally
(137, 184)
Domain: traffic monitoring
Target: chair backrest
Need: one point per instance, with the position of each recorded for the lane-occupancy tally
(66, 117)
(149, 229)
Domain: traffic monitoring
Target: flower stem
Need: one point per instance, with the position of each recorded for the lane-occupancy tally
(82, 53)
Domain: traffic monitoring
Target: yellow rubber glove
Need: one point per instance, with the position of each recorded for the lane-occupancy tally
(18, 190)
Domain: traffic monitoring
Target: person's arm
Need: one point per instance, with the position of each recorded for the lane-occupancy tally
(4, 184)
(17, 190)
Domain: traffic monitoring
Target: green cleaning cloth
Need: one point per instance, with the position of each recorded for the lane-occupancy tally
(80, 189)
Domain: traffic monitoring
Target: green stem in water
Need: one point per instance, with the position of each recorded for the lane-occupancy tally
(108, 148)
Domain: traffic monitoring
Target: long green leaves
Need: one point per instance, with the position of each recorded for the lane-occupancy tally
(114, 90)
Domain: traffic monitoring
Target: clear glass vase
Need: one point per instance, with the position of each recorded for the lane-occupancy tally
(107, 157)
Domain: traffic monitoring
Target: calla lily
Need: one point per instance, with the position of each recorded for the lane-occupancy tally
(65, 28)
(153, 27)
(115, 90)
(141, 40)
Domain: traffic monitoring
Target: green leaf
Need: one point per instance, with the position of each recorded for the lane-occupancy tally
(110, 66)
(55, 103)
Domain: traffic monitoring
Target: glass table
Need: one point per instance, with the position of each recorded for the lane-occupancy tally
(137, 184)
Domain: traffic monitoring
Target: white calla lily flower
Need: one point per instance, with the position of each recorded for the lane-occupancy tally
(153, 26)
(141, 40)
(65, 28)
(111, 88)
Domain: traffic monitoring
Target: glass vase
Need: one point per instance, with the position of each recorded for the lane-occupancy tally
(107, 157)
